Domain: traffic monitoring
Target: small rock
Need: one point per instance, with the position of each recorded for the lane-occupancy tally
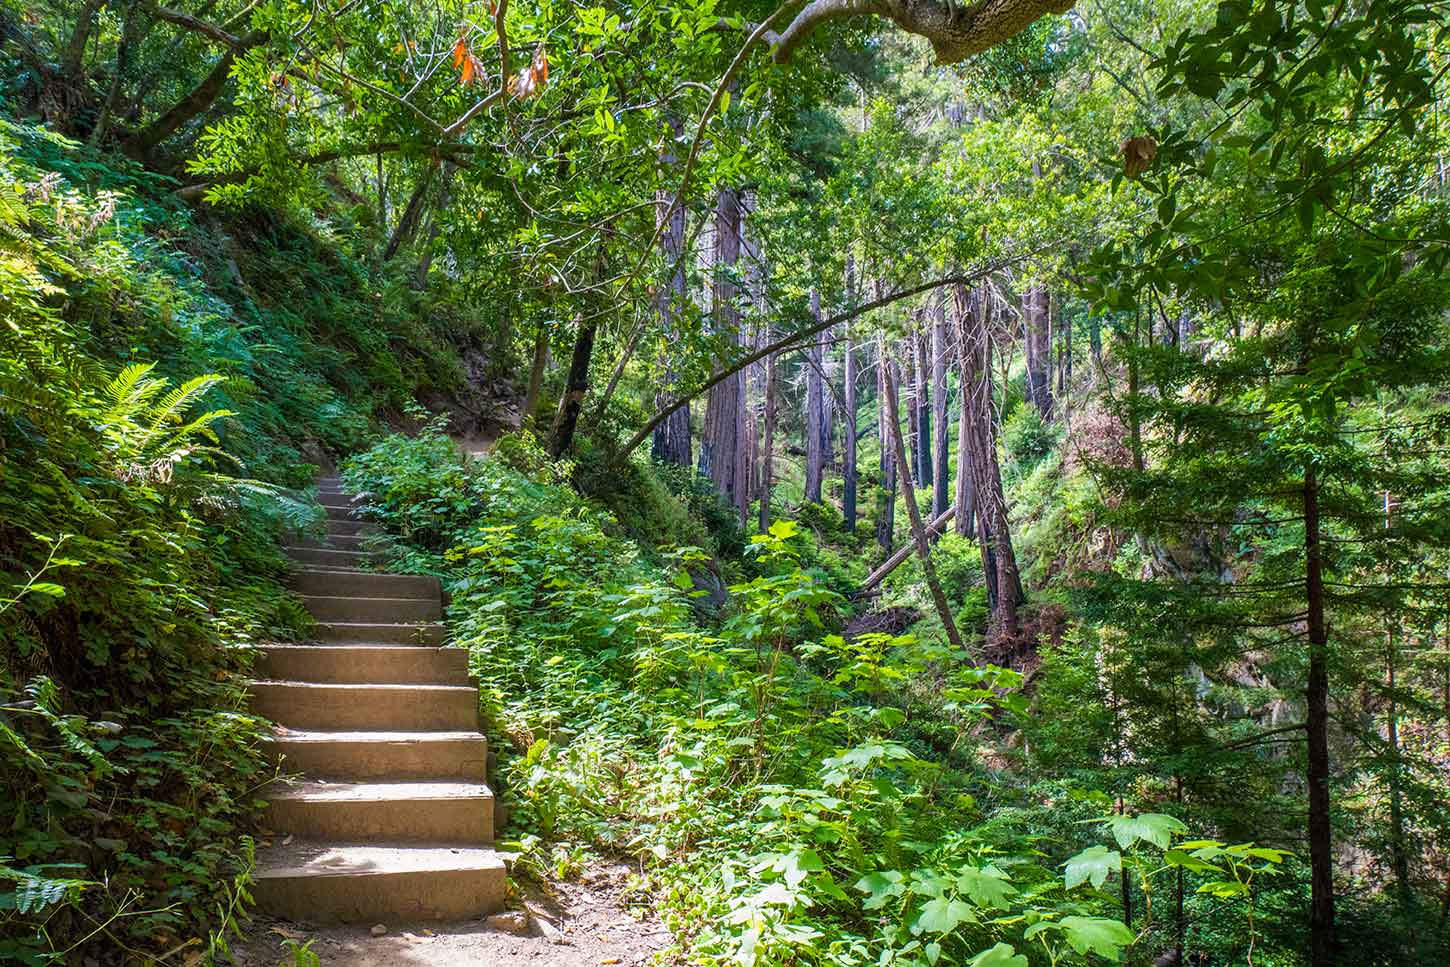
(510, 921)
(378, 929)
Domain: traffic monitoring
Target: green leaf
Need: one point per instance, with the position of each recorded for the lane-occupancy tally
(1002, 955)
(943, 915)
(882, 887)
(1098, 934)
(1092, 865)
(987, 887)
(1155, 828)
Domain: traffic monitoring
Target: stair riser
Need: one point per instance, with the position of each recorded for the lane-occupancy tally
(464, 822)
(355, 760)
(430, 635)
(340, 513)
(349, 528)
(377, 610)
(391, 897)
(326, 557)
(339, 707)
(367, 585)
(336, 542)
(398, 665)
(335, 498)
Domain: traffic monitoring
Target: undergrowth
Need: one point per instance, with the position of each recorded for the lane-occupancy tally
(791, 796)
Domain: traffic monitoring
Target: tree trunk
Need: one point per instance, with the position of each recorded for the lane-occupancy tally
(921, 345)
(815, 413)
(940, 476)
(672, 437)
(1037, 330)
(75, 51)
(143, 143)
(902, 553)
(1316, 704)
(412, 214)
(536, 371)
(848, 443)
(913, 407)
(767, 456)
(720, 442)
(999, 561)
(886, 500)
(567, 417)
(918, 530)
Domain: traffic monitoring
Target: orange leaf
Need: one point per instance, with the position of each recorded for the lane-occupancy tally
(541, 65)
(467, 76)
(460, 51)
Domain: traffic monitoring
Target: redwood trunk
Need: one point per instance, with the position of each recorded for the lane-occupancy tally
(816, 427)
(672, 437)
(940, 476)
(1316, 701)
(886, 500)
(1037, 326)
(999, 562)
(720, 449)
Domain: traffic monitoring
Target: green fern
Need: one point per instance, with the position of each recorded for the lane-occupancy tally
(36, 889)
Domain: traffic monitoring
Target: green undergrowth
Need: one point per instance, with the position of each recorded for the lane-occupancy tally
(161, 389)
(791, 796)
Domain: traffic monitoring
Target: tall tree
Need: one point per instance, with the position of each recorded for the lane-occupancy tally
(1037, 338)
(721, 443)
(999, 561)
(816, 427)
(940, 343)
(672, 437)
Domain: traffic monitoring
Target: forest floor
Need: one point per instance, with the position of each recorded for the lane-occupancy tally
(592, 922)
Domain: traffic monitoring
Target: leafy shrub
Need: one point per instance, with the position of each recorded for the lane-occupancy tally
(788, 788)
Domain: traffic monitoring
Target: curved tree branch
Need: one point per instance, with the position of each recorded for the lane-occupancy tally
(956, 31)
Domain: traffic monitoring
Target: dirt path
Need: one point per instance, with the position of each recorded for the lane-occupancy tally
(590, 923)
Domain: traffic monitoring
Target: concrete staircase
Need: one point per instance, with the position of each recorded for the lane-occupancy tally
(391, 819)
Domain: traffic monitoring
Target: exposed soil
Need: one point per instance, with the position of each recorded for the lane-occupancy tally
(589, 923)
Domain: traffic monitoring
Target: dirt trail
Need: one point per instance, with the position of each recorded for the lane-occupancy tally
(590, 923)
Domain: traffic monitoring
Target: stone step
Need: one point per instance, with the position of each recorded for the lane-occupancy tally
(350, 528)
(401, 708)
(336, 498)
(355, 609)
(363, 664)
(340, 513)
(354, 584)
(381, 633)
(367, 884)
(331, 556)
(381, 755)
(383, 812)
(336, 542)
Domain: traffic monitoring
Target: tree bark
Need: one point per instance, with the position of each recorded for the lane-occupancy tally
(913, 405)
(918, 530)
(886, 500)
(672, 437)
(75, 51)
(940, 475)
(1037, 332)
(536, 371)
(815, 430)
(999, 562)
(143, 143)
(903, 552)
(567, 417)
(767, 456)
(720, 441)
(922, 346)
(1316, 703)
(848, 444)
(412, 214)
